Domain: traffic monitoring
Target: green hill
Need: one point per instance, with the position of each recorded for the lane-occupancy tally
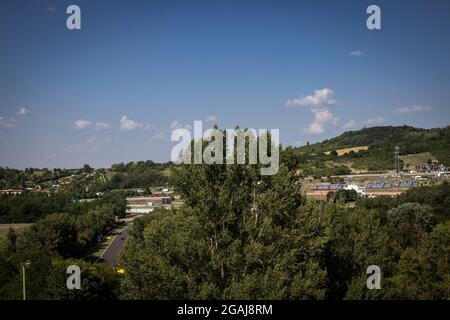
(381, 142)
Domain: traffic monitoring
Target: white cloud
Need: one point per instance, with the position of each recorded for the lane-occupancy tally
(7, 123)
(322, 117)
(349, 125)
(23, 111)
(374, 121)
(320, 98)
(212, 118)
(102, 125)
(126, 124)
(177, 125)
(356, 53)
(82, 124)
(413, 109)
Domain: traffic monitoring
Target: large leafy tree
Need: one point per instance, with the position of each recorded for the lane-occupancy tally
(424, 272)
(239, 235)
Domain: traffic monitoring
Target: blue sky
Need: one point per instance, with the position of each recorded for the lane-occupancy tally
(114, 90)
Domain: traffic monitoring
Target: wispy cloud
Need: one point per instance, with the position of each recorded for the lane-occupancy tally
(82, 124)
(321, 98)
(23, 111)
(7, 123)
(413, 109)
(356, 53)
(374, 121)
(349, 125)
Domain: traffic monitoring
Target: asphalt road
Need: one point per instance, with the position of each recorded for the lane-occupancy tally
(112, 251)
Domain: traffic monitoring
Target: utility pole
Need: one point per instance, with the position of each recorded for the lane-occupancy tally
(397, 160)
(24, 291)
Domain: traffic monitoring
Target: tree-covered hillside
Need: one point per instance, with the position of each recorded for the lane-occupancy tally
(381, 142)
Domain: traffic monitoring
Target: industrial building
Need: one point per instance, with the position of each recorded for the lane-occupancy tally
(143, 205)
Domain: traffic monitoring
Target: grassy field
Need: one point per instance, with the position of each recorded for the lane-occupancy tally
(417, 159)
(4, 228)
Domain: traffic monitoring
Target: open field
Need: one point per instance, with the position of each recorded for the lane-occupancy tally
(417, 159)
(4, 228)
(342, 151)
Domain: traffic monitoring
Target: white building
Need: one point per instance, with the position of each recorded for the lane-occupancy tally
(143, 205)
(359, 190)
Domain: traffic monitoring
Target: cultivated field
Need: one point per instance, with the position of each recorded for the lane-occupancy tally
(340, 152)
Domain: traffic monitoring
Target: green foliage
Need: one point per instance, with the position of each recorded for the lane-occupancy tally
(240, 235)
(408, 222)
(343, 196)
(67, 235)
(31, 207)
(358, 240)
(137, 175)
(381, 142)
(169, 262)
(98, 282)
(45, 244)
(423, 273)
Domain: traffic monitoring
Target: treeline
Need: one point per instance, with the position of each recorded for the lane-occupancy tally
(30, 207)
(14, 178)
(138, 174)
(245, 236)
(52, 244)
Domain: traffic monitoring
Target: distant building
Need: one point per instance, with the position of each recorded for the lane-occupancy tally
(359, 190)
(369, 189)
(143, 205)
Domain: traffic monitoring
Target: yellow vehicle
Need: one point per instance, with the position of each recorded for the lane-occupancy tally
(120, 270)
